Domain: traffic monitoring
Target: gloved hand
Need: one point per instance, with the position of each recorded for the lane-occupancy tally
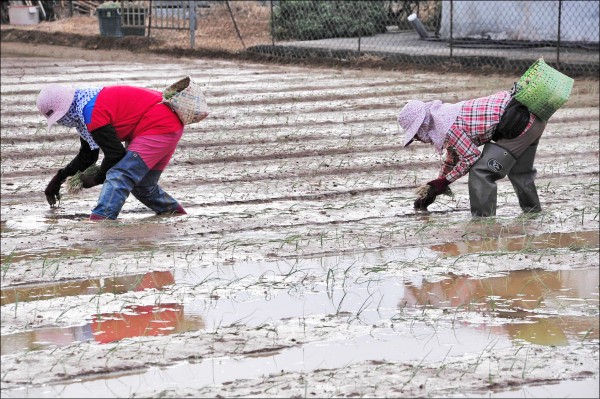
(52, 190)
(437, 187)
(421, 204)
(89, 181)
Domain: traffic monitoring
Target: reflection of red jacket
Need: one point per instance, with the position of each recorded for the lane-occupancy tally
(139, 321)
(136, 282)
(133, 111)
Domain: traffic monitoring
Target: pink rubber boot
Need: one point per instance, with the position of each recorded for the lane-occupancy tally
(179, 210)
(97, 218)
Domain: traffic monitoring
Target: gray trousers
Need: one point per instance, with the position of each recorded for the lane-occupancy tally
(518, 145)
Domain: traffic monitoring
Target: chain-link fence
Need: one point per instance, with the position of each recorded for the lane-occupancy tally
(507, 35)
(504, 34)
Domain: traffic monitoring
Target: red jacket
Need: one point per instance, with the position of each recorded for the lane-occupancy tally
(121, 113)
(133, 111)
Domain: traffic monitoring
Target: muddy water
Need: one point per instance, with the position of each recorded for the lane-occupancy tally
(300, 251)
(217, 369)
(520, 306)
(134, 321)
(113, 285)
(573, 240)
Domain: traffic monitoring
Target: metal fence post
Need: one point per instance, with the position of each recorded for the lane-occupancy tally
(149, 18)
(558, 39)
(451, 25)
(272, 35)
(192, 15)
(359, 32)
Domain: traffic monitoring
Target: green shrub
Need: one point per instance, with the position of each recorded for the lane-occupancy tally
(314, 19)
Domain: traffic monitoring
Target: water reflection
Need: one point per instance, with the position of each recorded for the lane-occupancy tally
(78, 250)
(530, 300)
(114, 285)
(581, 239)
(133, 321)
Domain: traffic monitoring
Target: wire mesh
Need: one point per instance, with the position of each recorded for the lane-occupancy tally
(505, 35)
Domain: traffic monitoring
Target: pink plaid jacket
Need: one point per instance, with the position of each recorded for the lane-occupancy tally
(473, 127)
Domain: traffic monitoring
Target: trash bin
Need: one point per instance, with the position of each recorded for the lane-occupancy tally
(110, 22)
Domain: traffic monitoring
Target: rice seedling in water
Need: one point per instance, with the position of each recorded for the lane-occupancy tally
(6, 263)
(74, 183)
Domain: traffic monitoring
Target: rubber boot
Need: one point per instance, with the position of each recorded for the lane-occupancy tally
(97, 218)
(120, 180)
(522, 177)
(149, 193)
(494, 164)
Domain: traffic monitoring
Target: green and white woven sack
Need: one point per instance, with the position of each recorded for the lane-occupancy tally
(186, 99)
(543, 89)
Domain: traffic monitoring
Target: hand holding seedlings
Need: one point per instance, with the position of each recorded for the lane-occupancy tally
(427, 193)
(85, 179)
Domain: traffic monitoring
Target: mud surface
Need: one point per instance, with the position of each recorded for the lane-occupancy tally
(301, 269)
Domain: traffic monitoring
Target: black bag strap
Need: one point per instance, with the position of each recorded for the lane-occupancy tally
(513, 121)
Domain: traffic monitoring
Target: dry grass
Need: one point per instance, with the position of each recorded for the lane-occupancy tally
(80, 24)
(215, 31)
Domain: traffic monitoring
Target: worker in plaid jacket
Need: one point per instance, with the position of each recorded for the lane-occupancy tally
(508, 132)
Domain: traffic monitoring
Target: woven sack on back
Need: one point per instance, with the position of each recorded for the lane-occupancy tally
(543, 89)
(186, 99)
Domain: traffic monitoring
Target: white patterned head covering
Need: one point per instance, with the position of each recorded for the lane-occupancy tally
(74, 115)
(429, 121)
(54, 101)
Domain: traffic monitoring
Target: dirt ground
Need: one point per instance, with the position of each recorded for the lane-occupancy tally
(301, 269)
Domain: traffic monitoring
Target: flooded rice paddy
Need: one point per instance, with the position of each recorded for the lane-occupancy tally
(301, 269)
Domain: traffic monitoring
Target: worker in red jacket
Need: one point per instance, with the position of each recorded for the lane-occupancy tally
(105, 118)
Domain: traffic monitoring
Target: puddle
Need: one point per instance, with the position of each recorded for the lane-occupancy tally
(531, 302)
(46, 253)
(563, 389)
(114, 285)
(521, 307)
(75, 251)
(536, 306)
(310, 357)
(574, 240)
(130, 238)
(134, 321)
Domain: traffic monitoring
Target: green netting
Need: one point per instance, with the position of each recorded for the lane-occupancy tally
(543, 89)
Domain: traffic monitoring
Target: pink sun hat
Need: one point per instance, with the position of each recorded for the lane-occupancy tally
(410, 119)
(54, 101)
(434, 118)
